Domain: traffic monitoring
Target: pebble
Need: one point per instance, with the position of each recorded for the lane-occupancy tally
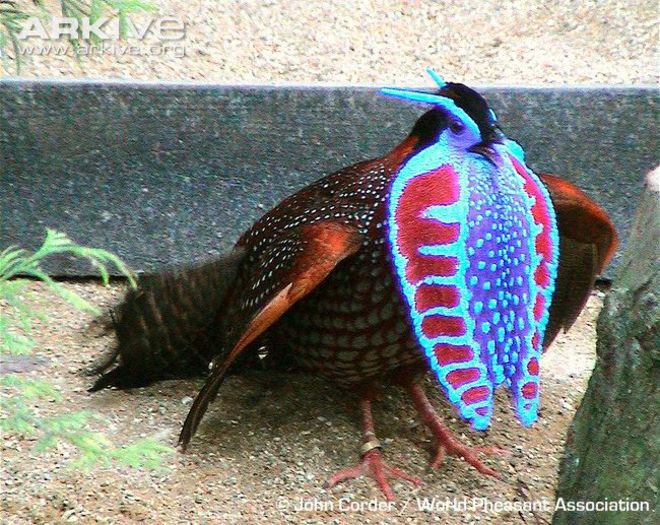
(392, 42)
(229, 460)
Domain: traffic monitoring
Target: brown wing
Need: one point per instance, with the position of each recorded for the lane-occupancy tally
(587, 242)
(312, 251)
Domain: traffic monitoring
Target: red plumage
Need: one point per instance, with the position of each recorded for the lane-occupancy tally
(312, 280)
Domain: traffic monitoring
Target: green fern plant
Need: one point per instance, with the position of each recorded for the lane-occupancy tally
(17, 268)
(13, 13)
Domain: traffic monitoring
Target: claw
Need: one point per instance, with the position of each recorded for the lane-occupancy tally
(467, 453)
(373, 466)
(446, 442)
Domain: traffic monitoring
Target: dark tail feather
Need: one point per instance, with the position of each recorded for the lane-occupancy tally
(578, 263)
(169, 327)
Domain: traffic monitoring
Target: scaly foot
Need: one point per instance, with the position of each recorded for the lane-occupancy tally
(373, 466)
(446, 443)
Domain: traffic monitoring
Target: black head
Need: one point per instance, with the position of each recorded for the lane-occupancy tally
(428, 127)
(433, 122)
(476, 107)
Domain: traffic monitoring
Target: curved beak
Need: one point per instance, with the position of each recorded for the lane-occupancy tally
(487, 150)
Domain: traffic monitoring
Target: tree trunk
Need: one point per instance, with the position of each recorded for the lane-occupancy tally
(613, 446)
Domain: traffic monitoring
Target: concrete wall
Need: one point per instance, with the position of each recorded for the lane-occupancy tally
(169, 174)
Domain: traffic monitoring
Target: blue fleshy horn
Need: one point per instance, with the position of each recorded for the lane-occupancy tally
(436, 100)
(436, 78)
(415, 96)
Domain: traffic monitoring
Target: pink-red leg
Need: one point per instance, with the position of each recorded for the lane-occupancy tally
(371, 464)
(446, 443)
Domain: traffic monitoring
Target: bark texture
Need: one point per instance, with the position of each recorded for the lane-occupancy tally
(613, 445)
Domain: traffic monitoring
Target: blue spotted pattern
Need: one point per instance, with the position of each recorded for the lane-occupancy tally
(497, 259)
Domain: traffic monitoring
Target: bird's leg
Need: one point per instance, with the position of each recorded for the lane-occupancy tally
(371, 464)
(446, 442)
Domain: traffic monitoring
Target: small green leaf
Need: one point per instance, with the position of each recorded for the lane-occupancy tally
(18, 415)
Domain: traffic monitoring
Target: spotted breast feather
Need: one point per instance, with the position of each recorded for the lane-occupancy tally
(448, 254)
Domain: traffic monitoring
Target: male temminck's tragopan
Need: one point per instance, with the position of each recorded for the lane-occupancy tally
(448, 254)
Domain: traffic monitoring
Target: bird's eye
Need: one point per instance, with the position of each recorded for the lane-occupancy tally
(456, 127)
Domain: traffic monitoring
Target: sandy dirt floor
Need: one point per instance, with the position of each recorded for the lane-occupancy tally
(271, 440)
(385, 42)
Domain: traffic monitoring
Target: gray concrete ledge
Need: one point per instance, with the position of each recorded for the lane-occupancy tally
(167, 174)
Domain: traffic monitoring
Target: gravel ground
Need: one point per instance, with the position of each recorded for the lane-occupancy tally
(271, 440)
(390, 42)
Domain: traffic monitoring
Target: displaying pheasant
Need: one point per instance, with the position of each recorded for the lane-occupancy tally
(447, 254)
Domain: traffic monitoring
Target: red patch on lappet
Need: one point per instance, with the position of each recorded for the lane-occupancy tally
(435, 188)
